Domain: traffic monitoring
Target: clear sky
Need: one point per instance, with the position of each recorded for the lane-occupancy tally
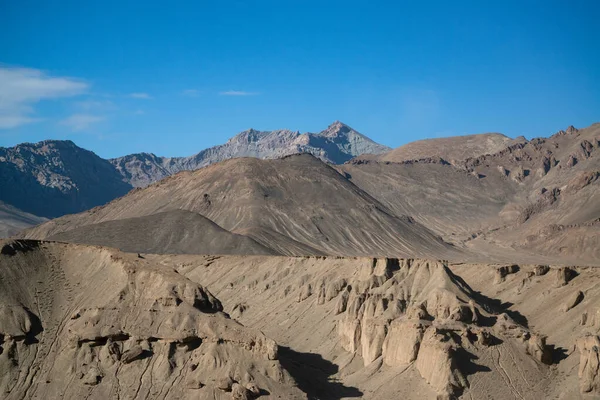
(175, 77)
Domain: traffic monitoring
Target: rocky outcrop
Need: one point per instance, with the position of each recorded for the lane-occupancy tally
(402, 342)
(573, 300)
(563, 275)
(119, 324)
(437, 364)
(502, 272)
(589, 364)
(410, 312)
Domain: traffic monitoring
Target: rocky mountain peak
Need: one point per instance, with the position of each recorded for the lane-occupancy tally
(337, 128)
(249, 136)
(571, 130)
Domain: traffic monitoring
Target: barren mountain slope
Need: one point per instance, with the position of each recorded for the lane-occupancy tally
(13, 220)
(451, 149)
(294, 205)
(558, 209)
(337, 144)
(538, 197)
(53, 178)
(414, 329)
(88, 322)
(175, 231)
(444, 198)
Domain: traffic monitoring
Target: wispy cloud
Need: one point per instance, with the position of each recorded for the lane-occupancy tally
(12, 121)
(144, 96)
(238, 93)
(80, 122)
(95, 105)
(190, 92)
(22, 88)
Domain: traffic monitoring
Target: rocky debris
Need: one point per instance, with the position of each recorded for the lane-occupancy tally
(586, 149)
(544, 200)
(582, 180)
(563, 276)
(519, 173)
(572, 301)
(572, 161)
(548, 162)
(239, 309)
(93, 377)
(589, 364)
(253, 389)
(536, 347)
(225, 384)
(193, 382)
(239, 392)
(502, 272)
(540, 270)
(132, 354)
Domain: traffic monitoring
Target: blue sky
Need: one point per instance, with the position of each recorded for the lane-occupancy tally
(172, 78)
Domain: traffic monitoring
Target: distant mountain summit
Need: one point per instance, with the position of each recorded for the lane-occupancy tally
(336, 145)
(55, 177)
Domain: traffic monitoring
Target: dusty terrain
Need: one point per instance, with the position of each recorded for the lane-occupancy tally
(296, 205)
(84, 321)
(87, 322)
(472, 276)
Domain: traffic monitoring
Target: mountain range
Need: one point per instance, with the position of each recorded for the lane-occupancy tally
(336, 145)
(461, 198)
(447, 268)
(70, 179)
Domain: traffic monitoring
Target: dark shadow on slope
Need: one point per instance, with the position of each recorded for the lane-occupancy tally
(558, 353)
(19, 246)
(312, 374)
(492, 306)
(466, 364)
(36, 328)
(496, 306)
